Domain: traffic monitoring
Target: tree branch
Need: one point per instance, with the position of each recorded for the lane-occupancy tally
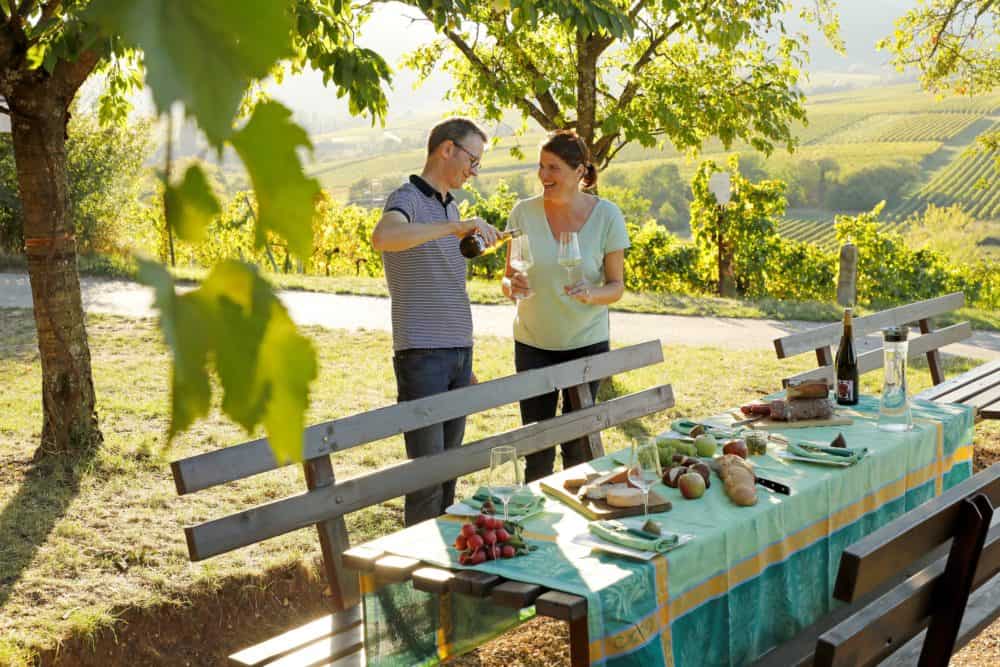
(523, 103)
(944, 25)
(632, 87)
(548, 103)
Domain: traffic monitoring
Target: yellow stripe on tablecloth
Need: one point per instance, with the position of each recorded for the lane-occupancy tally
(444, 626)
(367, 583)
(663, 603)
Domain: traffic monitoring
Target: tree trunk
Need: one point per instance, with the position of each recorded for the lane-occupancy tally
(727, 275)
(38, 128)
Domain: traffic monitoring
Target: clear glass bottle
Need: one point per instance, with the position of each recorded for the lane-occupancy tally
(894, 411)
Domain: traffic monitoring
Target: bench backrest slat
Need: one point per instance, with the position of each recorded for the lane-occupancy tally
(881, 555)
(281, 516)
(251, 458)
(873, 359)
(820, 337)
(876, 631)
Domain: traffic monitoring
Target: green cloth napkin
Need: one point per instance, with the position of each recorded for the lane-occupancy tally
(846, 455)
(617, 533)
(523, 503)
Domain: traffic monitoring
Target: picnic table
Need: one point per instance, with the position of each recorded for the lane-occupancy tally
(750, 579)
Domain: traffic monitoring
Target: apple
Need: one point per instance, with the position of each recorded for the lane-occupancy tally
(705, 444)
(737, 447)
(692, 485)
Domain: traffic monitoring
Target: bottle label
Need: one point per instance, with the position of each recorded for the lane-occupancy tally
(845, 390)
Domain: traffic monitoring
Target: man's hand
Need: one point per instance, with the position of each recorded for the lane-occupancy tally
(489, 233)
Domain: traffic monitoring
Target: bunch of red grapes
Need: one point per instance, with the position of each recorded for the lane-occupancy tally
(489, 538)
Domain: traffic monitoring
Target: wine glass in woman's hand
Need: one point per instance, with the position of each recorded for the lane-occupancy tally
(569, 256)
(521, 261)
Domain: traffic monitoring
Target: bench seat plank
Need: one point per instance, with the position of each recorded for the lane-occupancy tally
(347, 645)
(395, 569)
(972, 375)
(561, 606)
(432, 579)
(515, 594)
(476, 584)
(966, 392)
(240, 461)
(292, 640)
(281, 516)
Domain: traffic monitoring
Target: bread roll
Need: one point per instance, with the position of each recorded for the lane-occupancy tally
(739, 480)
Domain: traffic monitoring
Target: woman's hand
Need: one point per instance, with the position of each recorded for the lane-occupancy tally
(520, 288)
(581, 291)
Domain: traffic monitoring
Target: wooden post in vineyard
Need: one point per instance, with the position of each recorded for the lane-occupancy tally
(847, 279)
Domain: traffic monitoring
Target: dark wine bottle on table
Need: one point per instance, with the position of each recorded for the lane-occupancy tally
(847, 365)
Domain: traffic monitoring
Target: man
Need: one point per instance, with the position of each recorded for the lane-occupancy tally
(418, 237)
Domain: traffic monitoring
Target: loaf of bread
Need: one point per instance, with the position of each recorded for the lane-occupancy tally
(798, 389)
(739, 480)
(800, 409)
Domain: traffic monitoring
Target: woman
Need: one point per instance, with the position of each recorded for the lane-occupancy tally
(556, 321)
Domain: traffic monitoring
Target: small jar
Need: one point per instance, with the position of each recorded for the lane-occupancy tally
(756, 442)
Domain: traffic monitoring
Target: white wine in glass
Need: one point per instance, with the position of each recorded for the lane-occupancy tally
(520, 258)
(569, 256)
(644, 469)
(506, 477)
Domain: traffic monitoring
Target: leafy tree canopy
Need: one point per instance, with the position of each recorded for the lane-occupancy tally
(651, 71)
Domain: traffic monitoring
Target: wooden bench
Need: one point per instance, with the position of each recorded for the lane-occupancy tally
(338, 639)
(979, 387)
(916, 572)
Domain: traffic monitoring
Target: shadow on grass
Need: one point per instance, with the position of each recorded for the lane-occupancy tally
(17, 334)
(26, 520)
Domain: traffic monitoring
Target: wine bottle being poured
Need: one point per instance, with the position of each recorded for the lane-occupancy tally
(474, 245)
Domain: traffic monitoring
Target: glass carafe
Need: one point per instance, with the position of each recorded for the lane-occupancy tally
(894, 412)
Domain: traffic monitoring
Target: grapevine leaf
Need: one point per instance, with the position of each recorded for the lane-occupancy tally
(182, 318)
(203, 53)
(191, 205)
(267, 146)
(264, 365)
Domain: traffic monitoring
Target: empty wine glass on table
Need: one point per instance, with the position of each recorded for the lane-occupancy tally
(520, 259)
(506, 477)
(644, 469)
(569, 256)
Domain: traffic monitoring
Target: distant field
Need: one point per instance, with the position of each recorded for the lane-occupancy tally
(862, 128)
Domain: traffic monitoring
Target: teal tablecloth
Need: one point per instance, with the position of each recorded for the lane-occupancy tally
(752, 577)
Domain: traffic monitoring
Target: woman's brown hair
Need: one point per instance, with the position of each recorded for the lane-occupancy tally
(569, 147)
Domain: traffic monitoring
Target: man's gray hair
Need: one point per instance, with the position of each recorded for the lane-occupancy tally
(454, 129)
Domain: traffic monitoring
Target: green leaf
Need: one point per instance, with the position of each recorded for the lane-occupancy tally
(203, 54)
(191, 205)
(264, 364)
(182, 319)
(285, 196)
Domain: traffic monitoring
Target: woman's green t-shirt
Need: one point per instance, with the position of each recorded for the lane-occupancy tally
(549, 319)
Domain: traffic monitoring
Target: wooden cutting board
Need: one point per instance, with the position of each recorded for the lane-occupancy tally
(597, 509)
(768, 424)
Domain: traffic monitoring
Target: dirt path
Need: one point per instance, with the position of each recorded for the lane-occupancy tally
(337, 311)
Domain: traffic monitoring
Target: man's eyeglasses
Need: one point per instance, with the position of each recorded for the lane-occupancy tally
(474, 164)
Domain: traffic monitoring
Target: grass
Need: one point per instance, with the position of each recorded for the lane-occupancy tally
(84, 543)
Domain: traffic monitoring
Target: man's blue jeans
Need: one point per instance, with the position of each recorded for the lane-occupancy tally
(420, 373)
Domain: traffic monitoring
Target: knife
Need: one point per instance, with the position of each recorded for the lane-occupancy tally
(769, 484)
(772, 485)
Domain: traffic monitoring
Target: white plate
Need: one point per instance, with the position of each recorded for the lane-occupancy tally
(822, 462)
(588, 540)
